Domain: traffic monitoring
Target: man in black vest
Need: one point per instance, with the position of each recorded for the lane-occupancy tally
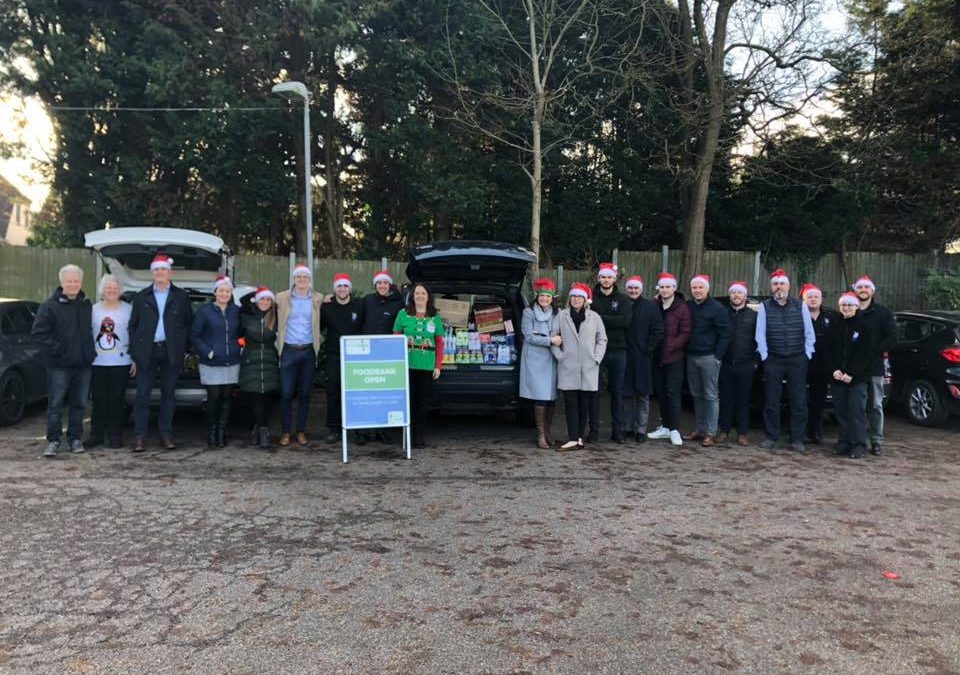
(160, 324)
(883, 325)
(616, 310)
(738, 367)
(785, 340)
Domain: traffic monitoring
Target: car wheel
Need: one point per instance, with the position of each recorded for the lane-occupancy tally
(924, 406)
(13, 398)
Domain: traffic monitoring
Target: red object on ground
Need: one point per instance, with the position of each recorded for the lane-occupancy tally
(891, 575)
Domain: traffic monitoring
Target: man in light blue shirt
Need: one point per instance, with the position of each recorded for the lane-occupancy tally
(785, 341)
(161, 291)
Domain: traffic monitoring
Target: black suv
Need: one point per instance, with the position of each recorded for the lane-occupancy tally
(926, 365)
(486, 275)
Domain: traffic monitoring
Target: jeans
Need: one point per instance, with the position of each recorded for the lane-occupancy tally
(577, 408)
(109, 384)
(615, 363)
(817, 401)
(793, 369)
(736, 386)
(159, 364)
(334, 414)
(668, 385)
(73, 386)
(703, 375)
(638, 413)
(850, 406)
(875, 409)
(298, 367)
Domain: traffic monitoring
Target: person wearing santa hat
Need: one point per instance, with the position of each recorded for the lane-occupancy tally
(215, 340)
(709, 339)
(882, 324)
(342, 316)
(818, 372)
(615, 309)
(738, 368)
(852, 344)
(538, 369)
(668, 359)
(583, 341)
(161, 319)
(260, 363)
(785, 342)
(644, 335)
(380, 310)
(298, 342)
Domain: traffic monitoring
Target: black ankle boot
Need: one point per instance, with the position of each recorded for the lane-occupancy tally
(255, 436)
(264, 434)
(212, 436)
(221, 435)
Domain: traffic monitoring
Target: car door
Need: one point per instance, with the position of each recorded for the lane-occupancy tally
(909, 359)
(16, 324)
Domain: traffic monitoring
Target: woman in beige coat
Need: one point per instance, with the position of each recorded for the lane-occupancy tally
(583, 344)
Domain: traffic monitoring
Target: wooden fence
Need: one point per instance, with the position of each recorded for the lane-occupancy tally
(31, 273)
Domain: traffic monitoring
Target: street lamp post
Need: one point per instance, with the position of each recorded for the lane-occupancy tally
(293, 91)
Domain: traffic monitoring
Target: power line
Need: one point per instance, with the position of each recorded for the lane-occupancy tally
(75, 108)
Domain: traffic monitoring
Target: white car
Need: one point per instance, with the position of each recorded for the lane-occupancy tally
(198, 259)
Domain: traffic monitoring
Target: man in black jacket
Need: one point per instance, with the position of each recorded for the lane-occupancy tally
(738, 367)
(883, 328)
(63, 329)
(160, 325)
(705, 350)
(340, 316)
(819, 373)
(616, 310)
(380, 310)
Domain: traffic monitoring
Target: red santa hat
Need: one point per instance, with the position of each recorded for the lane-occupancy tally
(738, 286)
(263, 292)
(383, 275)
(161, 261)
(810, 288)
(223, 280)
(778, 276)
(544, 286)
(580, 291)
(342, 279)
(302, 269)
(635, 282)
(607, 269)
(849, 298)
(666, 279)
(864, 282)
(702, 279)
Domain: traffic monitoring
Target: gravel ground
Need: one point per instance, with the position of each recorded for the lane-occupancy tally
(480, 555)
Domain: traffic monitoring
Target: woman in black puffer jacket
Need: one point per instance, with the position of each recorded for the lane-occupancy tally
(260, 362)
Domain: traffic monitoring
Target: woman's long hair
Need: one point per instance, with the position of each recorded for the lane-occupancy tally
(412, 306)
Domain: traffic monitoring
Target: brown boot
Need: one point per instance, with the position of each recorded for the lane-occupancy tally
(547, 423)
(540, 418)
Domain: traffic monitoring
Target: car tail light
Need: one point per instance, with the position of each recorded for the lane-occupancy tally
(954, 390)
(951, 354)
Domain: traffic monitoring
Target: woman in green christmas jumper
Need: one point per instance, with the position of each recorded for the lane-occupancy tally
(423, 327)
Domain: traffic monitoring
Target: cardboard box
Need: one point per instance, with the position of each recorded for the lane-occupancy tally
(489, 320)
(454, 312)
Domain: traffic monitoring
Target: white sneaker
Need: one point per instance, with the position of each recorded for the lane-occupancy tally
(675, 437)
(659, 432)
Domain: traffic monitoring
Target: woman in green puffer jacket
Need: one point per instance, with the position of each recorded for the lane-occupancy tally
(260, 362)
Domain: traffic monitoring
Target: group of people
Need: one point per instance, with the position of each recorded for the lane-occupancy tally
(640, 347)
(268, 349)
(643, 348)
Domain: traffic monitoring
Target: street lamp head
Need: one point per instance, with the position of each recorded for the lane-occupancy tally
(292, 90)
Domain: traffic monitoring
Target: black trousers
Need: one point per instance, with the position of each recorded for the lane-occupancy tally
(793, 369)
(668, 386)
(108, 386)
(577, 409)
(817, 400)
(736, 386)
(421, 391)
(615, 364)
(334, 416)
(260, 406)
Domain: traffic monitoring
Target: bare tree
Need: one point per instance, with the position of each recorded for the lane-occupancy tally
(544, 50)
(764, 59)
